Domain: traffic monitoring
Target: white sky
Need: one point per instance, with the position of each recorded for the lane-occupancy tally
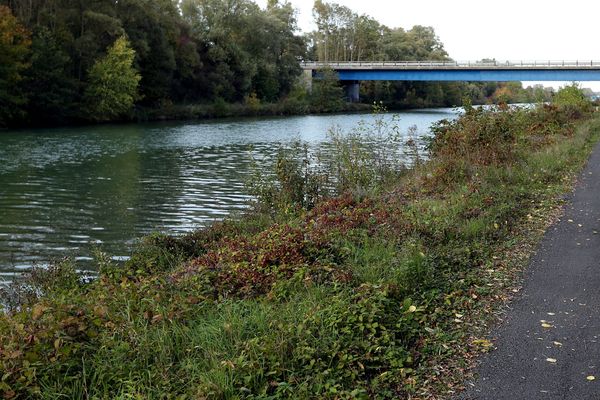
(505, 30)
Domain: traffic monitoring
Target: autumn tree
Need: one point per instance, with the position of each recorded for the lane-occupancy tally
(14, 51)
(113, 83)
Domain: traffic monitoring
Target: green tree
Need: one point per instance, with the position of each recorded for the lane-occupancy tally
(14, 50)
(571, 96)
(152, 27)
(52, 92)
(243, 49)
(113, 83)
(327, 94)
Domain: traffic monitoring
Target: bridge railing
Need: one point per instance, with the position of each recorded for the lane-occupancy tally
(454, 64)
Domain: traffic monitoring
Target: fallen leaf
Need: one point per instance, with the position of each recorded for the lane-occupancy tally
(37, 311)
(483, 343)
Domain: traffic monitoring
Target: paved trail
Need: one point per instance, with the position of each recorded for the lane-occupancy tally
(557, 315)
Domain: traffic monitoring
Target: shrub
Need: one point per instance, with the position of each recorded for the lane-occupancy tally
(366, 160)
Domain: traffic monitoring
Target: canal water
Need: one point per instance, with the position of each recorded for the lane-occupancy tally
(66, 191)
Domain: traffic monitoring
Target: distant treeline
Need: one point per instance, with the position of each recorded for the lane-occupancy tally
(65, 61)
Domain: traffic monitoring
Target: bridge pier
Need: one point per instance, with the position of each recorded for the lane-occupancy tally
(352, 90)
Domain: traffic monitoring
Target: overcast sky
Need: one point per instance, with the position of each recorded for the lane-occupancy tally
(505, 30)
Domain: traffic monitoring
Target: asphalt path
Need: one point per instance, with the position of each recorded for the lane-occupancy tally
(549, 345)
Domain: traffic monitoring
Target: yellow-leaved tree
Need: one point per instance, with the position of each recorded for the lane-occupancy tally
(113, 83)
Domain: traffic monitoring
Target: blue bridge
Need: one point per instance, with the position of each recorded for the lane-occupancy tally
(351, 73)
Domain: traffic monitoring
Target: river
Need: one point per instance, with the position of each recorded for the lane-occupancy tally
(66, 191)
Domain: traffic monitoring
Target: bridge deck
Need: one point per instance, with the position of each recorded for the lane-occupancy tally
(455, 65)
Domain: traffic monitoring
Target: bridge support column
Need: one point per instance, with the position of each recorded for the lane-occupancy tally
(352, 89)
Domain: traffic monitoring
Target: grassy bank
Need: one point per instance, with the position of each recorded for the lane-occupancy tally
(378, 293)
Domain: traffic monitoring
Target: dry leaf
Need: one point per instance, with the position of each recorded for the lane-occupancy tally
(37, 311)
(482, 342)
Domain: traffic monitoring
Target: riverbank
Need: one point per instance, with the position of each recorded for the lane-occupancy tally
(368, 295)
(216, 110)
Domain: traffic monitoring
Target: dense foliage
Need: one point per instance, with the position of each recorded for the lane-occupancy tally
(190, 51)
(204, 58)
(369, 294)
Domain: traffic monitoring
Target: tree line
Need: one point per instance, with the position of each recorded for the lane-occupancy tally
(64, 61)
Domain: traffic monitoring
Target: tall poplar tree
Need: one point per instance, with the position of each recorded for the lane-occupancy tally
(113, 83)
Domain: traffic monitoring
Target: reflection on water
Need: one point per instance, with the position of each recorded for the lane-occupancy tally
(64, 191)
